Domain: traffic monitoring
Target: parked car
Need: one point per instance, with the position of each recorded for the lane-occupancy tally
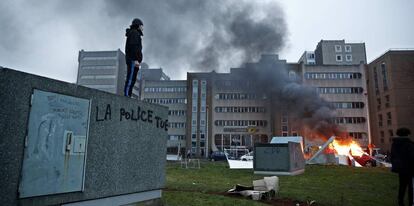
(247, 157)
(217, 156)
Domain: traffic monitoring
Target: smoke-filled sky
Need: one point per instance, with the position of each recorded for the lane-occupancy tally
(44, 37)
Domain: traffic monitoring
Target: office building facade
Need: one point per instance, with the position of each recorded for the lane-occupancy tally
(391, 96)
(344, 88)
(338, 75)
(232, 111)
(147, 74)
(212, 111)
(172, 94)
(103, 70)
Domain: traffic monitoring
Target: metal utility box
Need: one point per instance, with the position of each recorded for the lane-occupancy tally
(278, 159)
(55, 146)
(65, 144)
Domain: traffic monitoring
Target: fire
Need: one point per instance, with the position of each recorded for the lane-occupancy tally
(346, 147)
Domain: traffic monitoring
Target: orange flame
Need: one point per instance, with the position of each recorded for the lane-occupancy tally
(346, 147)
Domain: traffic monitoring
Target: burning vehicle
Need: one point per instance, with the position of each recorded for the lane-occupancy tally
(343, 151)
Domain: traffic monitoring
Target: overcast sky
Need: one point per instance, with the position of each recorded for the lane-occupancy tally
(190, 35)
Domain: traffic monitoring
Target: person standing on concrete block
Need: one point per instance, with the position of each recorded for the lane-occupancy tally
(133, 54)
(402, 159)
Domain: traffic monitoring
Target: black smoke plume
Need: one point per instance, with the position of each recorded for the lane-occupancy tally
(201, 35)
(281, 83)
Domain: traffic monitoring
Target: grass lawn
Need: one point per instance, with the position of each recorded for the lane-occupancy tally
(327, 185)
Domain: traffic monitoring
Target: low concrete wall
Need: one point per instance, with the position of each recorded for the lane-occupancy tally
(124, 155)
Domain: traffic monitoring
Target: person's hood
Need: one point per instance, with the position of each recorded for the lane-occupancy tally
(129, 31)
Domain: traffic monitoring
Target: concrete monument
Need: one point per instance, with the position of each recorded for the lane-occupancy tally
(65, 144)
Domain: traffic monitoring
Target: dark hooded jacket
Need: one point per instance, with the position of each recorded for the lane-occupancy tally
(133, 46)
(402, 156)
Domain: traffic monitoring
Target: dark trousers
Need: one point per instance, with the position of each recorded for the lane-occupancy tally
(406, 180)
(132, 71)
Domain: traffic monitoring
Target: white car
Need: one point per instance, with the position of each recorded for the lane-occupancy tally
(247, 157)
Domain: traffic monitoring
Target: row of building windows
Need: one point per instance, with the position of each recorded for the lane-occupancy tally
(387, 102)
(357, 135)
(177, 112)
(100, 58)
(100, 86)
(194, 146)
(165, 89)
(339, 90)
(98, 77)
(176, 137)
(384, 78)
(166, 100)
(332, 75)
(176, 125)
(348, 58)
(194, 115)
(238, 96)
(202, 136)
(376, 81)
(202, 109)
(390, 134)
(293, 133)
(202, 123)
(260, 123)
(99, 62)
(311, 55)
(285, 128)
(338, 48)
(348, 105)
(234, 84)
(240, 109)
(98, 67)
(349, 120)
(389, 119)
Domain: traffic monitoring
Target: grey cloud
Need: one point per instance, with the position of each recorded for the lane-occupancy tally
(200, 35)
(179, 35)
(10, 26)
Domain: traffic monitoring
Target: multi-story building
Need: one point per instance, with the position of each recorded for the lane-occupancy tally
(343, 86)
(240, 113)
(391, 95)
(103, 70)
(106, 71)
(173, 94)
(199, 113)
(230, 110)
(212, 111)
(147, 74)
(339, 52)
(339, 78)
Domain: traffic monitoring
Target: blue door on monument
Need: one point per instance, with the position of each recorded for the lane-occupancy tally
(55, 145)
